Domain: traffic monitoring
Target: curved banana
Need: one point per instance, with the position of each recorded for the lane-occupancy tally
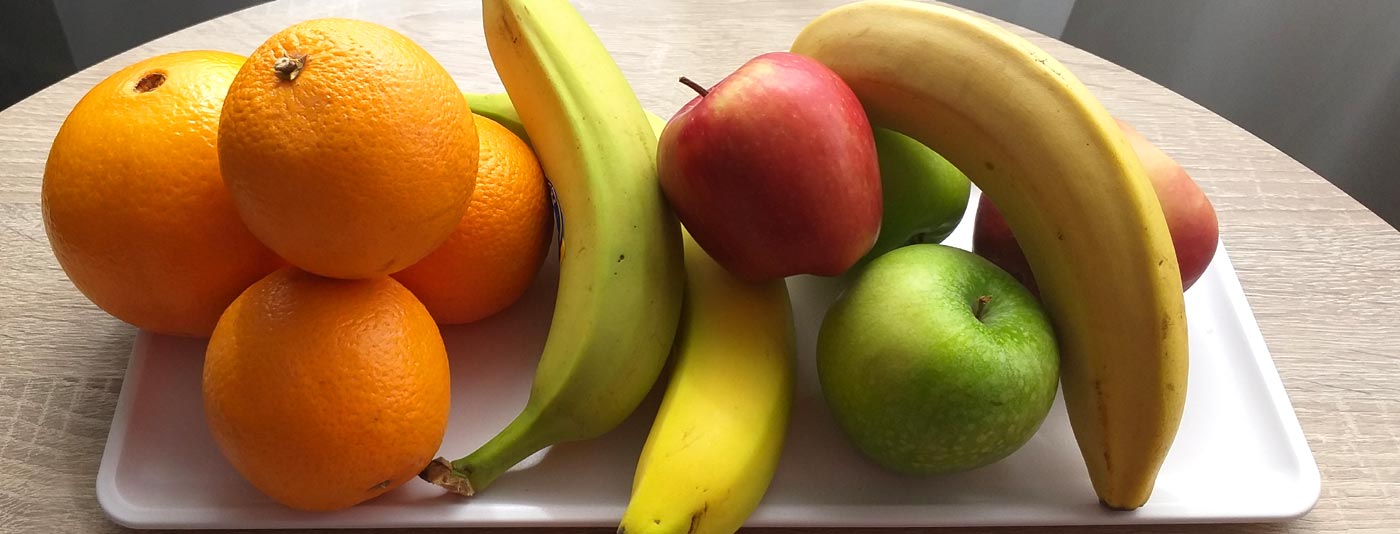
(714, 446)
(707, 464)
(1034, 139)
(621, 274)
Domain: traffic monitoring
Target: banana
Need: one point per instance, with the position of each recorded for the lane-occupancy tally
(621, 275)
(714, 446)
(498, 107)
(717, 437)
(1034, 139)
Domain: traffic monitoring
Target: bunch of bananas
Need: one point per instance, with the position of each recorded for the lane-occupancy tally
(634, 289)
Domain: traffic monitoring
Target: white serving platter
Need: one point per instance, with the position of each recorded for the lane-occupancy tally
(1240, 455)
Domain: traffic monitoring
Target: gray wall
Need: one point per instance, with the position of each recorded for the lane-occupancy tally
(33, 52)
(43, 41)
(1318, 79)
(97, 30)
(1045, 16)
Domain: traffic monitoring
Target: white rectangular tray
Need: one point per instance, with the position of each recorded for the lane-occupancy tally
(1240, 455)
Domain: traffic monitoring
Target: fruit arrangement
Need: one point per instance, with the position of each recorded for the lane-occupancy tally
(318, 208)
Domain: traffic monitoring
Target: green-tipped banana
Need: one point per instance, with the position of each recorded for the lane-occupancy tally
(497, 107)
(715, 444)
(621, 274)
(716, 441)
(1038, 143)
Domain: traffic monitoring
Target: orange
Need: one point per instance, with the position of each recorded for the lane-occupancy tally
(497, 248)
(133, 204)
(348, 149)
(323, 393)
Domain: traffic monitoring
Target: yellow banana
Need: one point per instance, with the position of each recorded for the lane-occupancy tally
(715, 443)
(714, 446)
(1034, 139)
(621, 274)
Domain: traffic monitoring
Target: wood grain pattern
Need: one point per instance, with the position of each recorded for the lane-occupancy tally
(1319, 269)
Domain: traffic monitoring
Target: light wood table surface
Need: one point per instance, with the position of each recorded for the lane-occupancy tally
(1321, 272)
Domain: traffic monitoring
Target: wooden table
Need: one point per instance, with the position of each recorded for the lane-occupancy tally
(1321, 272)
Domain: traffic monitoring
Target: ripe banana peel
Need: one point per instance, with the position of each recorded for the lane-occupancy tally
(621, 275)
(715, 444)
(1033, 138)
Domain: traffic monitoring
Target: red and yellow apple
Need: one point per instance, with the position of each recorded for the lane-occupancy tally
(774, 171)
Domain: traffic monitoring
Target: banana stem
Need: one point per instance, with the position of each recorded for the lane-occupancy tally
(471, 474)
(440, 472)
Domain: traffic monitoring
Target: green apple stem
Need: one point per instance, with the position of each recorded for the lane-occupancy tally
(697, 87)
(981, 306)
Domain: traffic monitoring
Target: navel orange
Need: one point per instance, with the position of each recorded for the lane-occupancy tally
(322, 392)
(497, 248)
(348, 149)
(133, 204)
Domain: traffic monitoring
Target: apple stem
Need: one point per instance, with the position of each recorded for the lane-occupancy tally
(981, 306)
(697, 87)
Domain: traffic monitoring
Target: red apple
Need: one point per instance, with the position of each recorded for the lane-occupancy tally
(773, 170)
(1190, 218)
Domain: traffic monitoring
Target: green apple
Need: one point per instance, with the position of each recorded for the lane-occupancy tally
(935, 360)
(924, 196)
